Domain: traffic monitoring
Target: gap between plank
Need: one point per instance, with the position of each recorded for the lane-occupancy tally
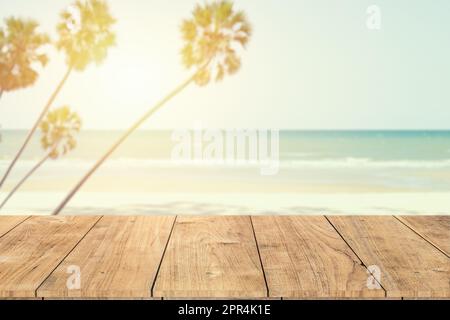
(362, 262)
(260, 259)
(15, 226)
(64, 258)
(162, 257)
(406, 224)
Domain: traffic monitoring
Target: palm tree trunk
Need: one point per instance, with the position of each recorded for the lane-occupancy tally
(21, 182)
(36, 125)
(136, 125)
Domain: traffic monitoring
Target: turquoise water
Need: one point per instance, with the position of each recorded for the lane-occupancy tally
(361, 172)
(407, 147)
(373, 145)
(345, 160)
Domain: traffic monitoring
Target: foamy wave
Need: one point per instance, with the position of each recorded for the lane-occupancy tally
(168, 163)
(369, 163)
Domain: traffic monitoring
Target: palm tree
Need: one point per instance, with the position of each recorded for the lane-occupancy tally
(20, 54)
(58, 138)
(212, 39)
(85, 36)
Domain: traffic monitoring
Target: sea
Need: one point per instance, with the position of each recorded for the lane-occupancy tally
(317, 172)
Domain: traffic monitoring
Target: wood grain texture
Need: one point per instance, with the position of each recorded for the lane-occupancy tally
(217, 257)
(435, 229)
(119, 258)
(211, 257)
(304, 257)
(30, 252)
(9, 222)
(409, 265)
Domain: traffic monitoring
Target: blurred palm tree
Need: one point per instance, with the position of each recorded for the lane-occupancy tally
(213, 37)
(58, 138)
(85, 33)
(20, 54)
(85, 36)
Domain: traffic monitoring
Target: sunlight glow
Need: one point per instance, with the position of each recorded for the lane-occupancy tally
(133, 82)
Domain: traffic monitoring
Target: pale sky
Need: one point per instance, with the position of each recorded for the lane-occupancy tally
(310, 65)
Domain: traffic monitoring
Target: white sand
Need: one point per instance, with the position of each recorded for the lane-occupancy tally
(122, 203)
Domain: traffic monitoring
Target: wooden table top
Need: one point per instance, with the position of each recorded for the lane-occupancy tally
(289, 257)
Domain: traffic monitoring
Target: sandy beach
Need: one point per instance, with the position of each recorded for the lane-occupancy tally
(311, 179)
(93, 203)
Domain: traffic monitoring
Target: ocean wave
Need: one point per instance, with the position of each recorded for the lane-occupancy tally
(370, 163)
(349, 162)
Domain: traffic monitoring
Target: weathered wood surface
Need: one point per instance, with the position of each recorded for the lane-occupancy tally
(435, 229)
(31, 251)
(7, 223)
(211, 257)
(409, 265)
(304, 257)
(119, 258)
(295, 257)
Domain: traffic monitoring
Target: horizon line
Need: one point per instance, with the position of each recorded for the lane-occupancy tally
(252, 128)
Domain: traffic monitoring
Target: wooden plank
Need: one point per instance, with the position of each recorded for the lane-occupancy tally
(9, 222)
(435, 229)
(409, 265)
(304, 257)
(30, 252)
(96, 299)
(211, 257)
(119, 258)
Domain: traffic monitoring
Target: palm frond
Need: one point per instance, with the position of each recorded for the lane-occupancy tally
(20, 43)
(211, 37)
(58, 131)
(85, 33)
